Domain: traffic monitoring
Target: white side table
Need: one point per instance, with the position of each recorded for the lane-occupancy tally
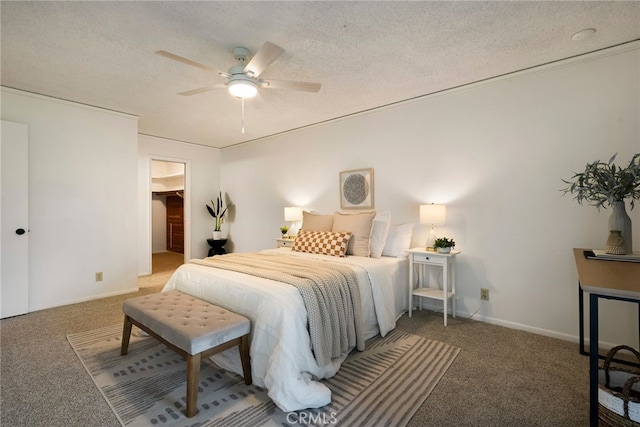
(284, 243)
(423, 257)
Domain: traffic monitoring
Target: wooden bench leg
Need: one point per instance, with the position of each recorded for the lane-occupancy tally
(245, 358)
(193, 378)
(126, 335)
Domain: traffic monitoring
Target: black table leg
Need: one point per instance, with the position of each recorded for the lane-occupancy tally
(581, 326)
(593, 360)
(581, 319)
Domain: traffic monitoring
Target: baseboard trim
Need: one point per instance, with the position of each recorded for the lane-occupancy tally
(522, 327)
(85, 299)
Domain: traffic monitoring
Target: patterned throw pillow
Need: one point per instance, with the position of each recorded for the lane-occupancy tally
(322, 242)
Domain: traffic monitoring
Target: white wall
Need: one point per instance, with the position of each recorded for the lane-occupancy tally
(202, 183)
(82, 198)
(495, 153)
(90, 198)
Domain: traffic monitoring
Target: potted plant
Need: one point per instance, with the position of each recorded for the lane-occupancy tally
(604, 184)
(218, 211)
(444, 245)
(284, 230)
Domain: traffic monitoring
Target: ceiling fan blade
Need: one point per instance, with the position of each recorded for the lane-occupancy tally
(285, 84)
(264, 57)
(190, 62)
(202, 89)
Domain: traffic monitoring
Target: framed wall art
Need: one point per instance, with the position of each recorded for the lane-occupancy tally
(356, 189)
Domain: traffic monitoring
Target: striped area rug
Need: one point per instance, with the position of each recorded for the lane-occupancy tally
(383, 385)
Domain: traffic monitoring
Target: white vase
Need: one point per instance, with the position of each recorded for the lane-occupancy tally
(444, 250)
(217, 235)
(619, 220)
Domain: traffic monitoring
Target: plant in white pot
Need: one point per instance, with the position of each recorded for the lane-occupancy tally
(605, 183)
(218, 210)
(444, 245)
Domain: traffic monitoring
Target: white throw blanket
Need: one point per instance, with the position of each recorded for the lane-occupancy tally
(329, 291)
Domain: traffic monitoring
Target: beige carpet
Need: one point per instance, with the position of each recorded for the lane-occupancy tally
(163, 266)
(383, 385)
(502, 377)
(163, 262)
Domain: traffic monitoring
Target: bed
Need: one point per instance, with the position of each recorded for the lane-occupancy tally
(282, 358)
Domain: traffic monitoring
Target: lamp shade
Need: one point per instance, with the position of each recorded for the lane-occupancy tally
(292, 214)
(433, 214)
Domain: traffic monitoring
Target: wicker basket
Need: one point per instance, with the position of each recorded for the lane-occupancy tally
(619, 392)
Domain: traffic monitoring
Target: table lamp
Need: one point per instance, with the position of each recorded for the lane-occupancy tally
(435, 215)
(292, 214)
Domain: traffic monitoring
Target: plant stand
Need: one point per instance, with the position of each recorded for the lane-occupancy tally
(217, 247)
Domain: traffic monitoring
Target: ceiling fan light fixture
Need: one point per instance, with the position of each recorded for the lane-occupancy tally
(243, 79)
(242, 88)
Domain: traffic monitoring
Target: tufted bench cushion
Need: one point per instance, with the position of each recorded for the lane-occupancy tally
(186, 322)
(192, 327)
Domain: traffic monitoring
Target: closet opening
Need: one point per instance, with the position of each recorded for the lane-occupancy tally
(167, 215)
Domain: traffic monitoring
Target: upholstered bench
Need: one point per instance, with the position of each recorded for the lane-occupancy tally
(192, 328)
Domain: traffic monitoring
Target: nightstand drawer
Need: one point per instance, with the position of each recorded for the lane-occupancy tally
(428, 258)
(284, 243)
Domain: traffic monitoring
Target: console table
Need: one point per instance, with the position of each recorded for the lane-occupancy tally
(609, 279)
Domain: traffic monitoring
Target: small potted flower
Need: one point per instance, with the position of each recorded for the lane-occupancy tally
(284, 230)
(444, 245)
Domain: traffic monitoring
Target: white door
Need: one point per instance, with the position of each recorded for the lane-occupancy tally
(14, 215)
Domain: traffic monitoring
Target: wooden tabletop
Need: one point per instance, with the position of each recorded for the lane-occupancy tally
(614, 278)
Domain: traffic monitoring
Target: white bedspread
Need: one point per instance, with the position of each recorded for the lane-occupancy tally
(281, 357)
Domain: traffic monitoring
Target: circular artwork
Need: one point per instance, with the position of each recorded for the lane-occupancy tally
(355, 189)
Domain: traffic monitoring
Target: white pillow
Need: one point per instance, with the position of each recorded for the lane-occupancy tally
(398, 241)
(379, 233)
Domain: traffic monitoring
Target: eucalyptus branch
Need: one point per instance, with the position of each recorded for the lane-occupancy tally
(602, 183)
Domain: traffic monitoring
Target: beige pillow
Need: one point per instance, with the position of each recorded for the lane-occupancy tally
(321, 242)
(315, 222)
(360, 226)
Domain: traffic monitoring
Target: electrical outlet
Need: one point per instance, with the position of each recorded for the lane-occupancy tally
(99, 276)
(484, 294)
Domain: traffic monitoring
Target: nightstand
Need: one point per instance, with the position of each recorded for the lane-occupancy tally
(423, 257)
(284, 243)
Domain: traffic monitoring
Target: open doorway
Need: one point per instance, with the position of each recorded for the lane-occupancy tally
(167, 216)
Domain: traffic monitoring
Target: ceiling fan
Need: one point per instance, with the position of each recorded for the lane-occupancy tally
(243, 81)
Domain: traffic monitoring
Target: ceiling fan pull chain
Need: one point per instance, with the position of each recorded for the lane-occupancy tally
(242, 128)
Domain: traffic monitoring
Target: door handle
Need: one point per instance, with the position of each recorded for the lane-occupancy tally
(20, 231)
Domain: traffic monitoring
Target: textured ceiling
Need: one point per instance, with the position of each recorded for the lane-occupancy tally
(365, 54)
